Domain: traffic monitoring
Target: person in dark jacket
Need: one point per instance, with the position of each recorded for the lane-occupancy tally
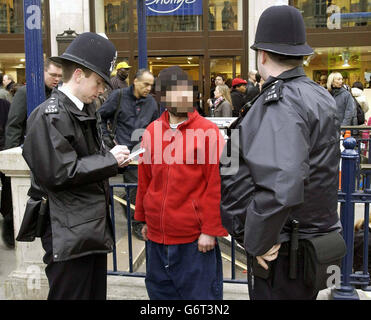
(122, 72)
(71, 166)
(346, 108)
(252, 90)
(238, 95)
(6, 193)
(17, 118)
(137, 110)
(287, 152)
(16, 128)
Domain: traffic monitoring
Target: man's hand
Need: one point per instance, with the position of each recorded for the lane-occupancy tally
(121, 153)
(270, 255)
(206, 243)
(144, 232)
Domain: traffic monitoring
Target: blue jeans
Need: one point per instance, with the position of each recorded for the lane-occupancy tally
(181, 272)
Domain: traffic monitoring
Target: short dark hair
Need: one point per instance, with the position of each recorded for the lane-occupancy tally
(358, 85)
(48, 62)
(292, 61)
(69, 67)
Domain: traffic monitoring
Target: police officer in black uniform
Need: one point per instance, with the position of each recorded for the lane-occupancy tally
(70, 169)
(288, 161)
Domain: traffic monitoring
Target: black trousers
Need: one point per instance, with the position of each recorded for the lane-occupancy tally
(279, 286)
(6, 207)
(83, 278)
(130, 175)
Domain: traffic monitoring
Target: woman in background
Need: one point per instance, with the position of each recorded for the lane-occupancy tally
(347, 113)
(222, 106)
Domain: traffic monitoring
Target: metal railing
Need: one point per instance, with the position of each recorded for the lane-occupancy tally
(349, 194)
(131, 272)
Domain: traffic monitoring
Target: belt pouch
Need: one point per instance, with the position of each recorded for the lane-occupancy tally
(259, 271)
(320, 253)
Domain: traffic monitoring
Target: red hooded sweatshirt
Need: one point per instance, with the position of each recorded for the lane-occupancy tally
(178, 194)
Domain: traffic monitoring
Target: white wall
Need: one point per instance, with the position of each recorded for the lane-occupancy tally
(255, 10)
(73, 14)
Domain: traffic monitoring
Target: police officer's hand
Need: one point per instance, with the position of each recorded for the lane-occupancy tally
(206, 242)
(270, 255)
(121, 153)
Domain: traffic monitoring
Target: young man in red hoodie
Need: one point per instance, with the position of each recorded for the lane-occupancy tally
(178, 196)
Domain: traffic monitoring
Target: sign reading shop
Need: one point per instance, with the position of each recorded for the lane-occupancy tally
(174, 7)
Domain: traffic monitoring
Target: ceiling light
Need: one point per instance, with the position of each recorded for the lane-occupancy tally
(346, 64)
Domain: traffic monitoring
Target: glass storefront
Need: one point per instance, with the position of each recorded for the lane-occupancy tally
(228, 67)
(174, 16)
(335, 14)
(225, 15)
(11, 16)
(354, 63)
(116, 16)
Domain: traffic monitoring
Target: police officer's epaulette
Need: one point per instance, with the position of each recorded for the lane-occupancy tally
(273, 92)
(52, 106)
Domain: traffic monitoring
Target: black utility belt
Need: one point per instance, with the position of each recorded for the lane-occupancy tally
(318, 254)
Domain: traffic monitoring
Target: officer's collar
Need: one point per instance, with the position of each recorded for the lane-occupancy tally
(289, 74)
(85, 114)
(78, 103)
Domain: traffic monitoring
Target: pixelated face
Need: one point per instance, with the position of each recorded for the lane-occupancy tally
(179, 99)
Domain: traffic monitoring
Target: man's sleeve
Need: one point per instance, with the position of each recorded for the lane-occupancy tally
(17, 120)
(350, 110)
(144, 176)
(211, 223)
(55, 163)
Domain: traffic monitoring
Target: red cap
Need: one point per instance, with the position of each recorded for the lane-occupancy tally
(238, 81)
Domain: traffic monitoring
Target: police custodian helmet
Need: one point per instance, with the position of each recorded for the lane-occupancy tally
(93, 52)
(281, 30)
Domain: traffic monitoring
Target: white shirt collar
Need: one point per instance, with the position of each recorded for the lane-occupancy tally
(79, 104)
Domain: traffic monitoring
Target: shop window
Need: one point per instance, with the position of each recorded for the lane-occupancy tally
(11, 16)
(225, 15)
(172, 17)
(352, 62)
(228, 67)
(112, 16)
(334, 14)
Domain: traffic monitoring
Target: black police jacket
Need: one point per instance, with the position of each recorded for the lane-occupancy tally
(64, 152)
(287, 153)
